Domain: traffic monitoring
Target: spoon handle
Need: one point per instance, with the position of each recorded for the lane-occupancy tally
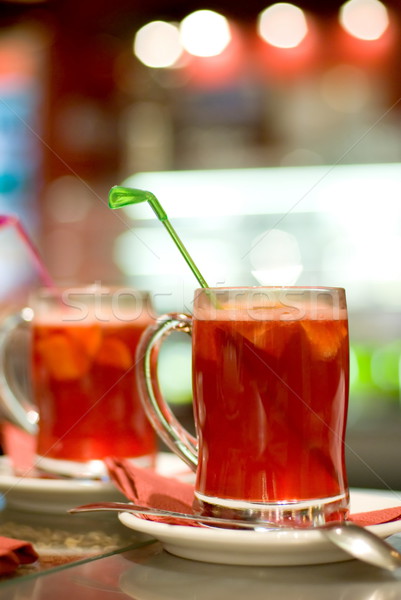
(158, 512)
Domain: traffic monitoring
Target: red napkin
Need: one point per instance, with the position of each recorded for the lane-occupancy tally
(14, 553)
(148, 488)
(19, 446)
(376, 517)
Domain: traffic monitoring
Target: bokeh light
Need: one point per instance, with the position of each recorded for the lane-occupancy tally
(346, 88)
(275, 256)
(282, 25)
(157, 44)
(68, 200)
(205, 33)
(213, 72)
(364, 19)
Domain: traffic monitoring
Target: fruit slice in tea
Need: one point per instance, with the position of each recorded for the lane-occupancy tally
(325, 337)
(65, 359)
(114, 353)
(89, 337)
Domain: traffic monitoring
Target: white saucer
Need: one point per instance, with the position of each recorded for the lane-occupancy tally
(59, 495)
(262, 548)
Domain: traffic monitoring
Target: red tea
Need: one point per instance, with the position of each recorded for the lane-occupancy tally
(85, 387)
(270, 398)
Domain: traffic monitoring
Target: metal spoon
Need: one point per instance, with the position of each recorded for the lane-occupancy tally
(355, 540)
(159, 512)
(363, 544)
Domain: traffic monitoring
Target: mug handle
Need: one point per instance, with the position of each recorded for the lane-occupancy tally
(14, 404)
(165, 423)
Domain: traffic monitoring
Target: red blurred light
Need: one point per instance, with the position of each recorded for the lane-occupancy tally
(285, 63)
(217, 71)
(367, 53)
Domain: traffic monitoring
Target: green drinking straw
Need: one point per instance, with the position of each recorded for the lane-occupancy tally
(122, 196)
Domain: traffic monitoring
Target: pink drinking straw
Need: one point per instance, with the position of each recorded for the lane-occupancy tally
(13, 221)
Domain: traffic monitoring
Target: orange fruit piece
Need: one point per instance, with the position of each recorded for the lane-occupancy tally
(89, 337)
(325, 337)
(114, 353)
(64, 359)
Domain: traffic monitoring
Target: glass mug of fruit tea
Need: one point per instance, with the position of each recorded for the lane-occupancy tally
(76, 348)
(270, 395)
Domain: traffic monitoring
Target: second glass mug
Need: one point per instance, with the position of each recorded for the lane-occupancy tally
(270, 372)
(77, 356)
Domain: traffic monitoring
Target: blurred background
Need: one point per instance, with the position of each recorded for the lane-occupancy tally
(271, 133)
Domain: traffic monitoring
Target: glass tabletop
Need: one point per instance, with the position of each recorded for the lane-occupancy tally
(35, 509)
(64, 539)
(147, 572)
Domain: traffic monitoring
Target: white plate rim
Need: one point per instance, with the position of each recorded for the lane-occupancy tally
(35, 484)
(166, 463)
(58, 495)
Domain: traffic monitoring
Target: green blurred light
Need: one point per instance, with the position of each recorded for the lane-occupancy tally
(385, 367)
